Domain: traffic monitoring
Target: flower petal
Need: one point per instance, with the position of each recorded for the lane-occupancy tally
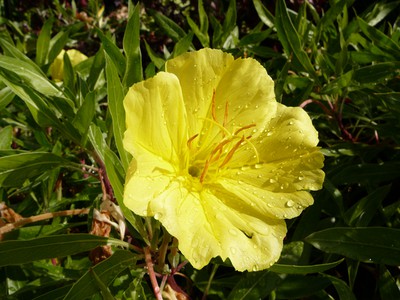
(206, 228)
(156, 119)
(199, 73)
(148, 176)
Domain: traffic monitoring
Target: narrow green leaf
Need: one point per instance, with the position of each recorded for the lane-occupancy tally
(22, 252)
(43, 41)
(183, 45)
(158, 61)
(364, 210)
(113, 52)
(115, 101)
(29, 75)
(203, 38)
(264, 14)
(254, 285)
(106, 271)
(370, 244)
(38, 107)
(378, 72)
(15, 169)
(342, 288)
(6, 137)
(96, 69)
(68, 74)
(300, 287)
(388, 288)
(380, 39)
(85, 114)
(113, 169)
(57, 43)
(307, 269)
(367, 173)
(290, 39)
(131, 45)
(173, 30)
(6, 96)
(229, 20)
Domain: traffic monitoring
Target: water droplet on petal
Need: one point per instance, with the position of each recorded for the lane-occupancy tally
(269, 133)
(258, 166)
(233, 250)
(290, 203)
(157, 216)
(255, 268)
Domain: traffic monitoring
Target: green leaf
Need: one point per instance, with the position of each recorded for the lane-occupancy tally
(254, 285)
(96, 69)
(22, 252)
(229, 21)
(388, 288)
(378, 72)
(113, 169)
(106, 271)
(365, 209)
(6, 96)
(158, 61)
(29, 75)
(85, 114)
(15, 169)
(307, 269)
(342, 288)
(380, 39)
(367, 173)
(43, 41)
(173, 30)
(6, 137)
(183, 45)
(113, 52)
(131, 45)
(115, 101)
(370, 244)
(264, 14)
(299, 287)
(290, 39)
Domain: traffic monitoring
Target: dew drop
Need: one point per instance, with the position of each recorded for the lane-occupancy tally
(269, 133)
(255, 268)
(291, 123)
(258, 166)
(271, 180)
(233, 250)
(289, 203)
(157, 216)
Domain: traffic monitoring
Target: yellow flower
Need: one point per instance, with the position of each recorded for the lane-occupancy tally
(57, 67)
(218, 161)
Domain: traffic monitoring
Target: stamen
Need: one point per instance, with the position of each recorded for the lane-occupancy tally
(213, 107)
(230, 154)
(204, 172)
(226, 114)
(244, 128)
(189, 142)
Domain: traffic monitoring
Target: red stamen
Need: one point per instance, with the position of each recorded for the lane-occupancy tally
(243, 128)
(230, 154)
(213, 107)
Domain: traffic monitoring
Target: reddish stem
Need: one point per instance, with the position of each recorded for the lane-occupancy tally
(150, 271)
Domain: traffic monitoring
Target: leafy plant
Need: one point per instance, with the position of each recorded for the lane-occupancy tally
(62, 164)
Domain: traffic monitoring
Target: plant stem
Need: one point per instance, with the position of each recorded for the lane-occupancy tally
(150, 271)
(45, 216)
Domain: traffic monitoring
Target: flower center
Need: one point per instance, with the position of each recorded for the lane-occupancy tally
(221, 152)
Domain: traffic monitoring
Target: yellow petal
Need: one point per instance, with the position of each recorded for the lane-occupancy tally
(57, 67)
(206, 228)
(148, 176)
(199, 73)
(156, 119)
